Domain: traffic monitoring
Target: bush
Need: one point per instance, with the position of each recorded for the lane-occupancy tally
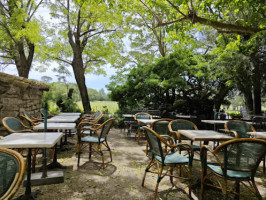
(234, 114)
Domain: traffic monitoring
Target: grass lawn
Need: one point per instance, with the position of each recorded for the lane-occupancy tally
(112, 106)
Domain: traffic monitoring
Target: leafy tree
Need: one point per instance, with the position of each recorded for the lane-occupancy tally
(46, 79)
(19, 33)
(87, 38)
(183, 81)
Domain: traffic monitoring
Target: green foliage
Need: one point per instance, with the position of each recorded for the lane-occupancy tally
(182, 82)
(234, 114)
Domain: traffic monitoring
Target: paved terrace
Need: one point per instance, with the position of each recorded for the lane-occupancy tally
(122, 178)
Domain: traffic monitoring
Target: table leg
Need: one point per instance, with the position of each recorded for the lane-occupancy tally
(55, 164)
(28, 194)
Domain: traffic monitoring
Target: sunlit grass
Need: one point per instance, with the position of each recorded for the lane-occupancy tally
(112, 106)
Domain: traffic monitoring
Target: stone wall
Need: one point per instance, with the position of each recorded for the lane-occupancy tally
(18, 94)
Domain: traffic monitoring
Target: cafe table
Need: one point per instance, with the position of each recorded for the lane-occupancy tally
(147, 121)
(261, 135)
(32, 141)
(56, 126)
(63, 119)
(205, 135)
(69, 114)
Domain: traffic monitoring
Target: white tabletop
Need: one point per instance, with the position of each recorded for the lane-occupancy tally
(147, 121)
(127, 115)
(186, 116)
(258, 134)
(219, 121)
(56, 126)
(64, 119)
(31, 140)
(204, 135)
(69, 114)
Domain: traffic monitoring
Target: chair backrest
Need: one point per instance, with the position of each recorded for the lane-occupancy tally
(160, 126)
(181, 124)
(97, 114)
(42, 111)
(12, 124)
(154, 141)
(105, 128)
(26, 122)
(142, 115)
(12, 168)
(242, 154)
(241, 128)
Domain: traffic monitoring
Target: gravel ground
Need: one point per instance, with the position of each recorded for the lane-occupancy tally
(121, 179)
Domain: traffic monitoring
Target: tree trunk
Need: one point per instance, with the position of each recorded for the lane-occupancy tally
(23, 63)
(248, 101)
(78, 69)
(257, 75)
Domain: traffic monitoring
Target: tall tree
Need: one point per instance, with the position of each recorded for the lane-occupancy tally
(19, 32)
(87, 38)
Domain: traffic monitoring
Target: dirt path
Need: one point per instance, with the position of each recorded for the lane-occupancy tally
(121, 179)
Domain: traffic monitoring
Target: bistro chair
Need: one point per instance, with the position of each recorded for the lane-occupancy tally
(99, 140)
(85, 125)
(30, 117)
(181, 124)
(12, 168)
(14, 125)
(236, 160)
(160, 126)
(141, 115)
(49, 115)
(239, 128)
(167, 160)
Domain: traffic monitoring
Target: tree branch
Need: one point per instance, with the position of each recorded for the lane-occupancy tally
(60, 59)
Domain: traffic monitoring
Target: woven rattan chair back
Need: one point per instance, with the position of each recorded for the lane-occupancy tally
(240, 127)
(12, 124)
(12, 169)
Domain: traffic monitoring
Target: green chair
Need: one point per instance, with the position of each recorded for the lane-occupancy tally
(167, 160)
(236, 160)
(12, 168)
(13, 125)
(181, 124)
(160, 126)
(239, 128)
(34, 121)
(99, 140)
(141, 115)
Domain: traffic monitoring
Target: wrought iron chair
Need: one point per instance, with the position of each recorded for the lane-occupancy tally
(12, 168)
(169, 159)
(99, 139)
(141, 115)
(239, 163)
(181, 124)
(239, 128)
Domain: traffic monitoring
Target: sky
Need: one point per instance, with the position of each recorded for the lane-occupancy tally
(92, 81)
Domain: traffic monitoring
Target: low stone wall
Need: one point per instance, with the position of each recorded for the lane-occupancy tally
(18, 94)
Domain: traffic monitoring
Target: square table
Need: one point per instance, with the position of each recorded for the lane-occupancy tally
(204, 135)
(147, 121)
(69, 114)
(63, 119)
(261, 135)
(30, 141)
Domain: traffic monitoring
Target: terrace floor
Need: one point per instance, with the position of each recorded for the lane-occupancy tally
(121, 179)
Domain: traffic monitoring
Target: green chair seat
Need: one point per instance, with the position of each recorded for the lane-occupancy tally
(173, 158)
(230, 173)
(92, 139)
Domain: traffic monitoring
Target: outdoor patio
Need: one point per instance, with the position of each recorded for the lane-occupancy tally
(121, 179)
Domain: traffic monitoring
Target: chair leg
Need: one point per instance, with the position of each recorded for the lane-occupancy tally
(237, 186)
(139, 133)
(158, 182)
(189, 181)
(33, 160)
(100, 150)
(90, 149)
(78, 157)
(146, 170)
(225, 190)
(256, 189)
(171, 175)
(202, 188)
(109, 149)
